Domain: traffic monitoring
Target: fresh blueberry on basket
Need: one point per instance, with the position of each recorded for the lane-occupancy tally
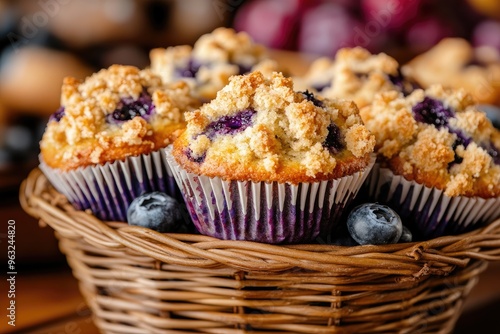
(374, 224)
(406, 236)
(159, 212)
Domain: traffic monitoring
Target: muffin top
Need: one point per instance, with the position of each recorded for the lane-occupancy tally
(355, 74)
(438, 138)
(118, 112)
(258, 128)
(455, 63)
(214, 58)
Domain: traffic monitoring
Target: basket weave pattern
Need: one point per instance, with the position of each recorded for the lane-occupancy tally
(139, 281)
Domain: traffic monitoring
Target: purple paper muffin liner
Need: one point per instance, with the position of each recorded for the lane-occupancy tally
(428, 212)
(268, 212)
(107, 190)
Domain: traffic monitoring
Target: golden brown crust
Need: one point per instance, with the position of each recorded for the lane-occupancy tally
(219, 55)
(287, 172)
(285, 140)
(425, 153)
(454, 63)
(83, 136)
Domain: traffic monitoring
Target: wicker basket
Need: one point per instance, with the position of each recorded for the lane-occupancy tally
(139, 281)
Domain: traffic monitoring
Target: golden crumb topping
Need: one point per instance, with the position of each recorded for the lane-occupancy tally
(224, 45)
(116, 112)
(439, 138)
(259, 128)
(215, 57)
(355, 74)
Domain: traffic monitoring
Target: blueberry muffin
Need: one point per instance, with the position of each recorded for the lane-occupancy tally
(102, 146)
(355, 74)
(263, 162)
(215, 57)
(454, 63)
(438, 153)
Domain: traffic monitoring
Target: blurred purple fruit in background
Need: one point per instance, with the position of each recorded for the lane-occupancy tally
(426, 32)
(487, 33)
(326, 28)
(323, 26)
(390, 14)
(270, 22)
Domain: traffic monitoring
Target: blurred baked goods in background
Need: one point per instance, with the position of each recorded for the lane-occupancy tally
(76, 38)
(454, 62)
(487, 7)
(41, 42)
(355, 74)
(31, 78)
(215, 57)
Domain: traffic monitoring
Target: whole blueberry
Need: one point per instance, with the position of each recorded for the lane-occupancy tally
(406, 236)
(374, 224)
(157, 211)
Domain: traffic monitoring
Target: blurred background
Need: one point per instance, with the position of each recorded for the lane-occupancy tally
(45, 40)
(42, 41)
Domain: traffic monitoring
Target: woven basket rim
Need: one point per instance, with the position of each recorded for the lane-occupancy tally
(437, 256)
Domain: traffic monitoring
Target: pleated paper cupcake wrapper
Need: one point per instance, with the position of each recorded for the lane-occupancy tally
(265, 212)
(107, 190)
(428, 212)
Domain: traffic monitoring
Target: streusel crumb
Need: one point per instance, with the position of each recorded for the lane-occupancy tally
(260, 129)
